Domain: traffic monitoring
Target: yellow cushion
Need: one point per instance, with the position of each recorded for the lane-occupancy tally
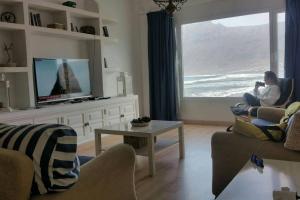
(246, 128)
(291, 110)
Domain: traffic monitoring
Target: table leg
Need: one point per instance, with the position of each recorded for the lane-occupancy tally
(151, 155)
(98, 143)
(181, 142)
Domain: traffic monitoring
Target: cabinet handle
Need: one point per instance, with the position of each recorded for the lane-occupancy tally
(122, 116)
(86, 124)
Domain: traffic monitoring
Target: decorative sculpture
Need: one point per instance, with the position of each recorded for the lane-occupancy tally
(8, 51)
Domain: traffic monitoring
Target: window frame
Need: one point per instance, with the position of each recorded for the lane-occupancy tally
(274, 53)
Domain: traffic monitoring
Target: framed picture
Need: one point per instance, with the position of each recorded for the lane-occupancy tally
(105, 31)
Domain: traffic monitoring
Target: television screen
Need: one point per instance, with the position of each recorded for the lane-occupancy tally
(61, 79)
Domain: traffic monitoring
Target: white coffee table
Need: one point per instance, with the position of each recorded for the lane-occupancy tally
(250, 184)
(154, 129)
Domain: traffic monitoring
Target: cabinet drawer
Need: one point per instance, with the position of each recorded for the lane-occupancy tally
(74, 119)
(50, 120)
(23, 122)
(93, 116)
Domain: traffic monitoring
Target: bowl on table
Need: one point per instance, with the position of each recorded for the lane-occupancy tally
(141, 122)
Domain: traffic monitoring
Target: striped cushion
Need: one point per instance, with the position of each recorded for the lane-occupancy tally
(52, 148)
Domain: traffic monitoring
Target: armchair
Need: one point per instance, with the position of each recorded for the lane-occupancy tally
(231, 151)
(108, 176)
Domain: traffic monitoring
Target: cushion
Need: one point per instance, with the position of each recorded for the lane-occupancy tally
(261, 122)
(293, 135)
(260, 129)
(52, 149)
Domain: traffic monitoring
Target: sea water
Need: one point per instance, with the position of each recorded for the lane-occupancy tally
(221, 85)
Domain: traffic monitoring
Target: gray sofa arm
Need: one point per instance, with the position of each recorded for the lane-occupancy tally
(230, 152)
(16, 175)
(109, 176)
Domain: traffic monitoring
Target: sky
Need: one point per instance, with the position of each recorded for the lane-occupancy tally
(248, 20)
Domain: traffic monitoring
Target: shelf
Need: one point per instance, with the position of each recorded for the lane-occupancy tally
(11, 26)
(10, 2)
(75, 12)
(63, 33)
(47, 6)
(109, 39)
(160, 145)
(108, 21)
(112, 69)
(14, 69)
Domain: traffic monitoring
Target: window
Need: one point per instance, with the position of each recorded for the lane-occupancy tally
(225, 57)
(281, 43)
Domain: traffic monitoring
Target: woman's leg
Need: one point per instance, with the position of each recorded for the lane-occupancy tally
(251, 100)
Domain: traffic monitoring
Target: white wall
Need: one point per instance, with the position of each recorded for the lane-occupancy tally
(203, 109)
(123, 54)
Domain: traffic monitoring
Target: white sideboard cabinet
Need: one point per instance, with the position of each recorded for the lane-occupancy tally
(83, 117)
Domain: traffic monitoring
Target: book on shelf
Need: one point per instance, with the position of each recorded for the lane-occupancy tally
(35, 19)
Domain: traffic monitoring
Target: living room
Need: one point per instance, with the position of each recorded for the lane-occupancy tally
(132, 99)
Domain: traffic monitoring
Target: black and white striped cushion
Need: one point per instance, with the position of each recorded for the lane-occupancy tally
(52, 148)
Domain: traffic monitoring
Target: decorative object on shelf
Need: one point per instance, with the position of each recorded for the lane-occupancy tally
(105, 31)
(88, 30)
(127, 83)
(8, 51)
(7, 107)
(105, 63)
(170, 6)
(71, 4)
(76, 28)
(141, 122)
(35, 19)
(56, 26)
(72, 27)
(8, 17)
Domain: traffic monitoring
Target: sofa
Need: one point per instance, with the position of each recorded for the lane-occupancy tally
(231, 151)
(108, 176)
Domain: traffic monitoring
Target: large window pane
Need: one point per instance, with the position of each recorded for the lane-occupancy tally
(281, 43)
(225, 57)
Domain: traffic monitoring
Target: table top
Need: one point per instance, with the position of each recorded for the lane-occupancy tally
(252, 184)
(155, 127)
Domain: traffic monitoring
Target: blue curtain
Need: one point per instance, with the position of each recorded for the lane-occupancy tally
(292, 44)
(162, 71)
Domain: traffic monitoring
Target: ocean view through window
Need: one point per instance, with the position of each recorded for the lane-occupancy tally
(225, 57)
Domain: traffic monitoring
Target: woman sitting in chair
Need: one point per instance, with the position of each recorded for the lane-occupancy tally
(265, 94)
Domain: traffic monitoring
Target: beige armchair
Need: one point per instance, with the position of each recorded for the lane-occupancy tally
(108, 176)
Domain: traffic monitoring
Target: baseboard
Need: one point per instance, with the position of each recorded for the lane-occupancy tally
(210, 123)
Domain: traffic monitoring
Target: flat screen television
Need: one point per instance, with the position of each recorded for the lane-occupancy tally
(61, 79)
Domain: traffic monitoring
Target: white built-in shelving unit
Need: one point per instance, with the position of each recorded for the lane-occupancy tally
(39, 41)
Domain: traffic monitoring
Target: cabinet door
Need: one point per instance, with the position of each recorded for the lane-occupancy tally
(93, 120)
(90, 130)
(128, 118)
(128, 108)
(110, 122)
(75, 121)
(112, 112)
